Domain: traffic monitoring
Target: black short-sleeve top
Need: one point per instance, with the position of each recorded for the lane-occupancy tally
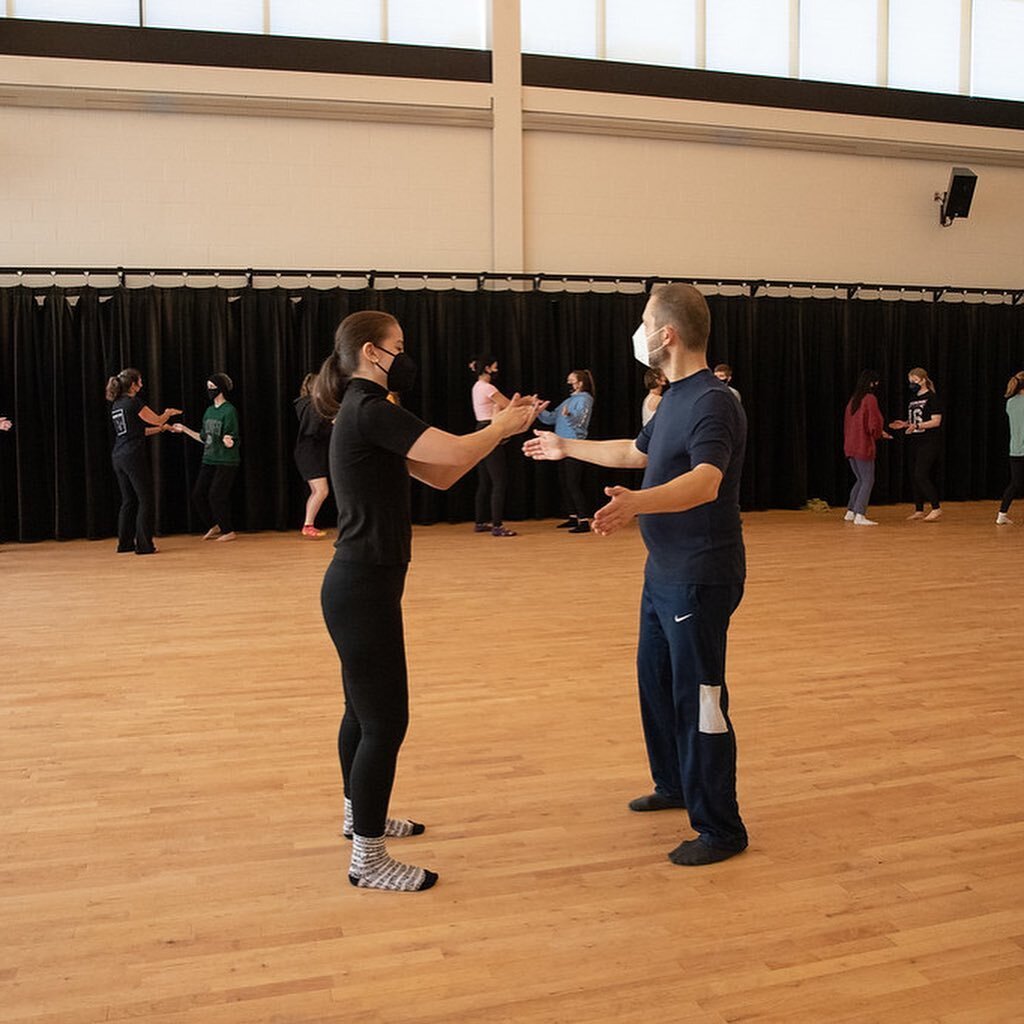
(129, 429)
(371, 482)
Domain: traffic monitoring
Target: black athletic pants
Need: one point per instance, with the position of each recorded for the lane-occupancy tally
(135, 518)
(212, 496)
(924, 458)
(1015, 488)
(491, 482)
(570, 474)
(362, 606)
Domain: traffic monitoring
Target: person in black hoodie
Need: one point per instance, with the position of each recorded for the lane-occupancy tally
(311, 448)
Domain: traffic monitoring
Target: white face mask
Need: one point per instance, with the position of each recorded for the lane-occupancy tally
(640, 350)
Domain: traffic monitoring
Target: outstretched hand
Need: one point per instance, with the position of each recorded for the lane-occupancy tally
(544, 445)
(617, 513)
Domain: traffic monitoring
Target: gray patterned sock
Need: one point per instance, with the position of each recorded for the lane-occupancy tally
(372, 868)
(394, 828)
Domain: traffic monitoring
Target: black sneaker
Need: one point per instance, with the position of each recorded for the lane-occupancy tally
(696, 853)
(656, 802)
(568, 524)
(583, 526)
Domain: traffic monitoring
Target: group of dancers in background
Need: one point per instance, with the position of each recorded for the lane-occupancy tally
(133, 421)
(864, 426)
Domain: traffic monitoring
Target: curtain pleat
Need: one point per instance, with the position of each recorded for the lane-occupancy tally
(795, 362)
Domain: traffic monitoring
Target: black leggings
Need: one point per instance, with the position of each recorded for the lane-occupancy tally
(570, 473)
(212, 496)
(362, 606)
(135, 518)
(924, 456)
(491, 482)
(1015, 488)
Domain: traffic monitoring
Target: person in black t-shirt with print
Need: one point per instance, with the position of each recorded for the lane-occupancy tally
(689, 516)
(376, 448)
(923, 428)
(133, 420)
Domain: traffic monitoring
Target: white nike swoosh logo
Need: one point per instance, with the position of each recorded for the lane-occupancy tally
(683, 618)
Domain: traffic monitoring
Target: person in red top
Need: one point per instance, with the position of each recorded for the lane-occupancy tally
(863, 425)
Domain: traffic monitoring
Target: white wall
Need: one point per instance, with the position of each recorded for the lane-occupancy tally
(109, 164)
(112, 188)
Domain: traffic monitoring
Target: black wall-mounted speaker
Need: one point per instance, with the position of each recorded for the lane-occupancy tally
(957, 200)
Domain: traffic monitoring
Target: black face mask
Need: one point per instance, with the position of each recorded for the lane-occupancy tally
(401, 374)
(213, 393)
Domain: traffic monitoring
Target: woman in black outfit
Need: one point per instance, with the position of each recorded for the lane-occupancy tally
(923, 427)
(133, 421)
(376, 446)
(311, 449)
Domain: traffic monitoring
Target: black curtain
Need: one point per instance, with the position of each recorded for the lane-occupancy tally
(795, 362)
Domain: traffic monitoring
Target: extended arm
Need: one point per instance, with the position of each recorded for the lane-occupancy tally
(157, 419)
(180, 428)
(612, 454)
(438, 458)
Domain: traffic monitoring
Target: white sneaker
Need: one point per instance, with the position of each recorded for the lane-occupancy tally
(849, 517)
(936, 513)
(860, 520)
(1002, 519)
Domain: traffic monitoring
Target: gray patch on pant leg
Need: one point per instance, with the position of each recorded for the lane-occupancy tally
(712, 720)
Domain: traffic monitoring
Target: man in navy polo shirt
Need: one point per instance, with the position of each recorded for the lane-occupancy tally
(688, 509)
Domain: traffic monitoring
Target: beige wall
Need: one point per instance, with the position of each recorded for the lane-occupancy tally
(133, 165)
(113, 188)
(623, 206)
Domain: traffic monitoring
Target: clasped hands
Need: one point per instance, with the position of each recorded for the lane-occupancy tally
(519, 414)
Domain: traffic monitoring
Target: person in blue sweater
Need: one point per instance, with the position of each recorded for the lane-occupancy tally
(571, 419)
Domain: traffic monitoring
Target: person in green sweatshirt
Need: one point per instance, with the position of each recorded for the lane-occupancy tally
(221, 459)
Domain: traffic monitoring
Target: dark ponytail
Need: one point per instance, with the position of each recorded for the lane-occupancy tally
(119, 385)
(370, 325)
(328, 388)
(478, 364)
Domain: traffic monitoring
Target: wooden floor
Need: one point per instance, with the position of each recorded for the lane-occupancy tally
(171, 802)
